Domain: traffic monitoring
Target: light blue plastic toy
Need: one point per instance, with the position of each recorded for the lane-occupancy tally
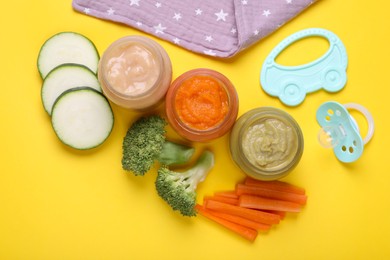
(340, 130)
(292, 83)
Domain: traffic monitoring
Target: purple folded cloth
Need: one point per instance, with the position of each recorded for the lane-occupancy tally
(216, 28)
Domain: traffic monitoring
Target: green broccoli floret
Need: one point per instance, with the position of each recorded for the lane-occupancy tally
(178, 189)
(145, 143)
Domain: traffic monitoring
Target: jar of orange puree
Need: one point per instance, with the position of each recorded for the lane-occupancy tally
(201, 105)
(135, 72)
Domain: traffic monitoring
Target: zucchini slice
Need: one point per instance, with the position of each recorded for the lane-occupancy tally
(67, 47)
(82, 118)
(64, 77)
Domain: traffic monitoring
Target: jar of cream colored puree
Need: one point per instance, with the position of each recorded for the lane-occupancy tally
(266, 143)
(135, 72)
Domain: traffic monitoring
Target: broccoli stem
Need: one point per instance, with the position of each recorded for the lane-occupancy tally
(178, 189)
(173, 153)
(198, 172)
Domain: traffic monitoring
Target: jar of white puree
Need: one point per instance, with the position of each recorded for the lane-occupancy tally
(135, 72)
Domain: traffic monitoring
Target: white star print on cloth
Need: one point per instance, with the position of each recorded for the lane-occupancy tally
(215, 28)
(221, 15)
(159, 29)
(134, 2)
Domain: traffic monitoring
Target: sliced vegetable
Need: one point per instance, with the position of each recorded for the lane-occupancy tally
(253, 204)
(246, 232)
(252, 214)
(282, 214)
(270, 193)
(241, 221)
(82, 118)
(228, 200)
(67, 47)
(64, 77)
(275, 185)
(257, 202)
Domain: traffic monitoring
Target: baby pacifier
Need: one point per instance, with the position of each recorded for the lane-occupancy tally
(291, 83)
(340, 130)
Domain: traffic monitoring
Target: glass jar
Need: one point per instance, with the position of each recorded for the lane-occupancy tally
(266, 143)
(201, 105)
(135, 72)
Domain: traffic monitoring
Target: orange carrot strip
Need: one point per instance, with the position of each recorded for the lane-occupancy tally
(232, 201)
(242, 221)
(282, 214)
(228, 193)
(270, 193)
(247, 233)
(257, 202)
(275, 185)
(252, 214)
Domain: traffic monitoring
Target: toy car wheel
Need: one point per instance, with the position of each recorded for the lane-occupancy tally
(293, 94)
(334, 79)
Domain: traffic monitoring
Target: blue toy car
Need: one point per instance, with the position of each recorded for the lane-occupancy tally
(292, 83)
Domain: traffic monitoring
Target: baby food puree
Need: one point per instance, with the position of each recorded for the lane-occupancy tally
(202, 105)
(266, 143)
(132, 69)
(135, 72)
(270, 143)
(201, 102)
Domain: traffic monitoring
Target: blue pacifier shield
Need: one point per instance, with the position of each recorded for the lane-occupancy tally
(292, 83)
(347, 143)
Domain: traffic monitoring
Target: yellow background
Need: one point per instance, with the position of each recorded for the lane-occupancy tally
(57, 203)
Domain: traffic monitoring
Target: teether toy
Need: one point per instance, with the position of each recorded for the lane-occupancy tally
(340, 130)
(292, 83)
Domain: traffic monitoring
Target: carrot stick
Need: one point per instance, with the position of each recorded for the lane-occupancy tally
(247, 233)
(228, 193)
(270, 193)
(242, 221)
(257, 202)
(282, 214)
(252, 214)
(275, 185)
(232, 201)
